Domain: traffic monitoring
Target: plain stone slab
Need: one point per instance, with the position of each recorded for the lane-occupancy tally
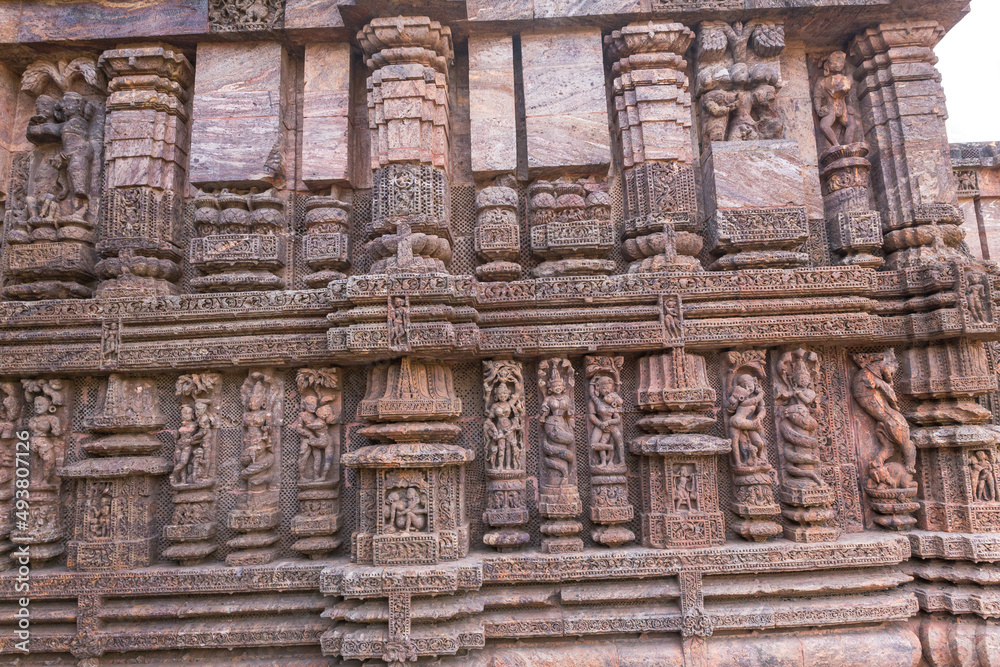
(491, 104)
(565, 100)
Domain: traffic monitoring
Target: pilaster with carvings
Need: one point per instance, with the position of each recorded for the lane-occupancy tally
(855, 227)
(559, 494)
(115, 487)
(678, 461)
(912, 174)
(609, 505)
(319, 427)
(653, 123)
(48, 419)
(50, 242)
(506, 449)
(806, 495)
(147, 136)
(195, 471)
(746, 416)
(256, 513)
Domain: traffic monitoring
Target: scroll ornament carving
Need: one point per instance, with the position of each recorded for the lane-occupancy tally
(319, 429)
(193, 478)
(506, 455)
(805, 493)
(51, 241)
(890, 486)
(753, 476)
(608, 469)
(256, 512)
(559, 501)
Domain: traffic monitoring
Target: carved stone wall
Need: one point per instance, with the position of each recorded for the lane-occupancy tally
(531, 334)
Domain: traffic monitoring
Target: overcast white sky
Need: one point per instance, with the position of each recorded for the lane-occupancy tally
(970, 70)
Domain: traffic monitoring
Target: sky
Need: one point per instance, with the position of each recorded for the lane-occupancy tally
(969, 61)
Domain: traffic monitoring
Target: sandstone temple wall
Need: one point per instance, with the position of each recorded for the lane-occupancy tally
(617, 332)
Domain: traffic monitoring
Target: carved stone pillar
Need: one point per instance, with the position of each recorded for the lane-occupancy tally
(806, 495)
(319, 429)
(145, 160)
(653, 108)
(889, 483)
(46, 405)
(256, 512)
(50, 252)
(240, 244)
(680, 489)
(412, 482)
(506, 450)
(751, 175)
(608, 468)
(114, 489)
(193, 479)
(12, 410)
(559, 495)
(753, 476)
(326, 240)
(410, 141)
(903, 109)
(571, 227)
(956, 453)
(855, 227)
(498, 234)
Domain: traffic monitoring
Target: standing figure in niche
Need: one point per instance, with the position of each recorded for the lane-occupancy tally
(744, 127)
(872, 389)
(606, 418)
(747, 411)
(975, 297)
(769, 123)
(683, 489)
(557, 423)
(43, 200)
(46, 432)
(717, 105)
(188, 437)
(313, 426)
(837, 119)
(983, 480)
(257, 459)
(501, 430)
(77, 155)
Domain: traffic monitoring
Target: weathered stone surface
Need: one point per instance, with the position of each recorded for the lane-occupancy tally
(239, 112)
(326, 123)
(566, 110)
(753, 174)
(308, 376)
(491, 104)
